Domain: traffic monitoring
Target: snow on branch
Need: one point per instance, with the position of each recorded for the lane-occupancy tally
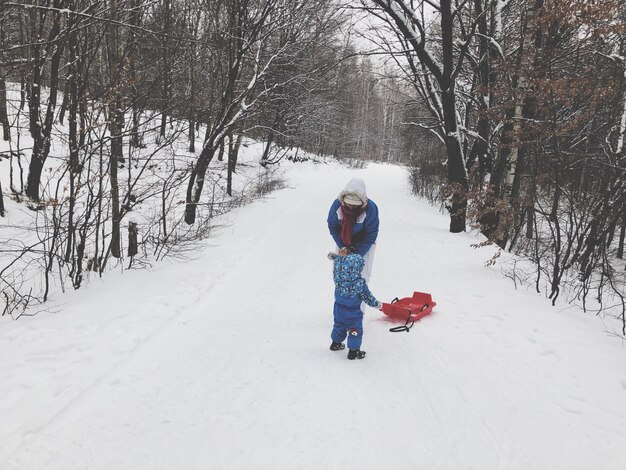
(494, 43)
(405, 18)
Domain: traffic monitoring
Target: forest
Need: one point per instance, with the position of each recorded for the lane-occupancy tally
(123, 122)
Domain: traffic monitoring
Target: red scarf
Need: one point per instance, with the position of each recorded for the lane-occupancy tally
(349, 218)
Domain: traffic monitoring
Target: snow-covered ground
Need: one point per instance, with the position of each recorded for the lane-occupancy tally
(222, 362)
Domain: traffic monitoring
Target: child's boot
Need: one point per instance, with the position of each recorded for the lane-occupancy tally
(355, 354)
(335, 346)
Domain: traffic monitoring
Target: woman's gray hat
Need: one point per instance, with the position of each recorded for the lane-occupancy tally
(354, 193)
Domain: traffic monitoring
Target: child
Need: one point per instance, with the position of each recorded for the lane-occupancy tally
(350, 291)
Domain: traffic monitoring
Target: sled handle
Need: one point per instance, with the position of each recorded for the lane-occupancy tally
(406, 327)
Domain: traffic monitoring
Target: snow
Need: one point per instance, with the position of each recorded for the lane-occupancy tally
(222, 362)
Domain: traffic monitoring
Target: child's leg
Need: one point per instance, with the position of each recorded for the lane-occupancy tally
(338, 335)
(340, 329)
(355, 333)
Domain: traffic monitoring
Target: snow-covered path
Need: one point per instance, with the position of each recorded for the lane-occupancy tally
(223, 362)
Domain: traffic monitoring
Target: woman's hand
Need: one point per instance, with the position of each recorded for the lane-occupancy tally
(343, 251)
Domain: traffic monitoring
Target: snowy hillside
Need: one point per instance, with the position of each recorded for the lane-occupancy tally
(222, 362)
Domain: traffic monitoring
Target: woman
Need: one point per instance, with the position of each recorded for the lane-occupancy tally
(353, 223)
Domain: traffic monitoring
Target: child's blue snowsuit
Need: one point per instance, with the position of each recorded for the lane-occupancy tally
(350, 291)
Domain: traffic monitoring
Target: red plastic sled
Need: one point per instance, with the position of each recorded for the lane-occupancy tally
(409, 309)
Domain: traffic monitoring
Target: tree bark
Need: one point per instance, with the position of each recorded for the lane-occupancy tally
(220, 154)
(521, 105)
(4, 117)
(485, 75)
(132, 239)
(135, 20)
(192, 87)
(116, 118)
(165, 72)
(233, 152)
(1, 201)
(196, 182)
(71, 98)
(457, 171)
(270, 137)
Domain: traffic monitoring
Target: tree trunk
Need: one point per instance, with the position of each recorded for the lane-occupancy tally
(116, 151)
(622, 235)
(4, 117)
(233, 151)
(116, 118)
(457, 171)
(135, 20)
(622, 48)
(192, 135)
(530, 199)
(196, 181)
(268, 145)
(229, 173)
(71, 98)
(480, 148)
(132, 239)
(521, 105)
(22, 74)
(165, 72)
(192, 89)
(41, 134)
(63, 109)
(1, 201)
(270, 137)
(220, 154)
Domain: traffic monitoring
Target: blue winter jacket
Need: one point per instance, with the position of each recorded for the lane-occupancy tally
(364, 230)
(350, 287)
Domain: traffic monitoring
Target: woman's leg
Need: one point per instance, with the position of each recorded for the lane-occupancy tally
(369, 260)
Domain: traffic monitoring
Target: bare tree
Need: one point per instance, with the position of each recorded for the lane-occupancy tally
(41, 128)
(435, 61)
(250, 60)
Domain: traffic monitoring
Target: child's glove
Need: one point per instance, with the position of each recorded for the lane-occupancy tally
(331, 256)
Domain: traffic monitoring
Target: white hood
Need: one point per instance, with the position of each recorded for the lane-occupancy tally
(355, 186)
